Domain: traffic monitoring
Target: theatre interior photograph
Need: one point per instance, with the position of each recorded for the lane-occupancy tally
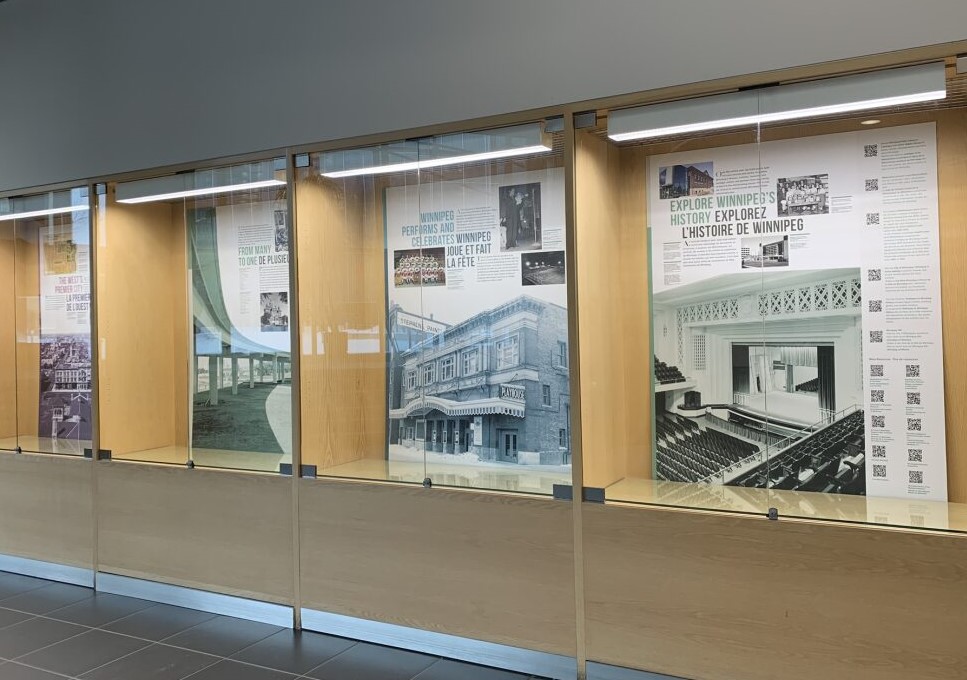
(614, 343)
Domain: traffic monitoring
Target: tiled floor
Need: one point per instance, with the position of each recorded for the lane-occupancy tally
(51, 631)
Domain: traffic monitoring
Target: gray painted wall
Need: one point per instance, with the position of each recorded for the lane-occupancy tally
(103, 86)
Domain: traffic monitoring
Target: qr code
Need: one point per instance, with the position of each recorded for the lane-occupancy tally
(876, 396)
(914, 424)
(916, 476)
(876, 305)
(871, 150)
(878, 421)
(876, 336)
(874, 274)
(872, 219)
(879, 451)
(879, 471)
(913, 370)
(876, 370)
(915, 455)
(872, 185)
(913, 398)
(918, 521)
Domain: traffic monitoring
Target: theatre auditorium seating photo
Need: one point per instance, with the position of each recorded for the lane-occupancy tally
(666, 375)
(689, 452)
(830, 460)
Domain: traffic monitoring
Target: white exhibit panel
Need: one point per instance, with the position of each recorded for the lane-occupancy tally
(796, 285)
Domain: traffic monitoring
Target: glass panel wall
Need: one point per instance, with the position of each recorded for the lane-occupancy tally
(196, 366)
(794, 278)
(45, 346)
(432, 280)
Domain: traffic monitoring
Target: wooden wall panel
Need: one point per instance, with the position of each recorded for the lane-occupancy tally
(486, 566)
(28, 330)
(226, 532)
(342, 289)
(45, 509)
(142, 308)
(8, 335)
(720, 597)
(612, 280)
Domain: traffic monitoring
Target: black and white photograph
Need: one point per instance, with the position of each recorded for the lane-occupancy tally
(804, 195)
(520, 217)
(65, 387)
(281, 232)
(759, 252)
(275, 312)
(419, 267)
(678, 181)
(758, 381)
(478, 391)
(542, 269)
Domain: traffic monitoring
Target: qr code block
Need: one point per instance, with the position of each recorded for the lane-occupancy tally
(876, 336)
(916, 476)
(873, 185)
(918, 521)
(876, 305)
(915, 455)
(874, 274)
(871, 150)
(876, 396)
(913, 370)
(876, 370)
(879, 451)
(914, 424)
(913, 398)
(878, 421)
(872, 219)
(879, 471)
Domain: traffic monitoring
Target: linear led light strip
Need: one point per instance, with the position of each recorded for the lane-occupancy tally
(207, 191)
(438, 162)
(42, 213)
(781, 115)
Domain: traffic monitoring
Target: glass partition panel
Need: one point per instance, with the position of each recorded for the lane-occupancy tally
(46, 350)
(208, 332)
(798, 296)
(432, 280)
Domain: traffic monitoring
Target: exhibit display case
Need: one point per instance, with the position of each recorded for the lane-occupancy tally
(205, 377)
(790, 259)
(45, 342)
(433, 307)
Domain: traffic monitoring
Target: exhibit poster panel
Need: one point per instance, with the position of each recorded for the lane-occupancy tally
(65, 329)
(477, 321)
(796, 302)
(240, 309)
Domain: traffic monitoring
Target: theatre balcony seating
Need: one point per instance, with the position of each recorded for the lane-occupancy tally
(808, 386)
(688, 452)
(667, 375)
(830, 460)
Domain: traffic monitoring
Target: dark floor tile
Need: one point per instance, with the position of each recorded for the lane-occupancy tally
(159, 622)
(232, 670)
(447, 669)
(157, 662)
(222, 635)
(14, 584)
(101, 609)
(23, 638)
(293, 651)
(47, 599)
(83, 653)
(372, 662)
(8, 617)
(15, 671)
